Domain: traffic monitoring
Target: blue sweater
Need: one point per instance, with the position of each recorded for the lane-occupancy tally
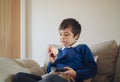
(79, 58)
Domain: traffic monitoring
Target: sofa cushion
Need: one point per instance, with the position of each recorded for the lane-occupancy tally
(9, 67)
(117, 68)
(107, 55)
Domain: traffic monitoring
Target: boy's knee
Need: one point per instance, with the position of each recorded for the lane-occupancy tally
(20, 74)
(55, 77)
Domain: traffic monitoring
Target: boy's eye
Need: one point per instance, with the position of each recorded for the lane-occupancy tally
(60, 34)
(66, 34)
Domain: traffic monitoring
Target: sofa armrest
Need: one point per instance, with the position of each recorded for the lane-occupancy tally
(9, 67)
(31, 65)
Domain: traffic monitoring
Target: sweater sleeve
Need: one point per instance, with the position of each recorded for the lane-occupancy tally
(90, 67)
(49, 67)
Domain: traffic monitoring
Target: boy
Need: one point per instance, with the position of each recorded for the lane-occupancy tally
(76, 61)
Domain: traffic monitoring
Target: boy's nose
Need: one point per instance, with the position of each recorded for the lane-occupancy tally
(62, 37)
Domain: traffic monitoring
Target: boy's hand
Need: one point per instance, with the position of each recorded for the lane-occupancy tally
(69, 71)
(52, 52)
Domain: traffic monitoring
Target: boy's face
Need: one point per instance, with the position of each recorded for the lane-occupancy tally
(67, 38)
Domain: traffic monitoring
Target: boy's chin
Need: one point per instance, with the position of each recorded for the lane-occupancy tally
(63, 44)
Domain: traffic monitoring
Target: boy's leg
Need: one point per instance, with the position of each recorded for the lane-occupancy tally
(25, 77)
(53, 78)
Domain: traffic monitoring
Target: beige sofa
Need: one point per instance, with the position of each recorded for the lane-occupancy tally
(108, 64)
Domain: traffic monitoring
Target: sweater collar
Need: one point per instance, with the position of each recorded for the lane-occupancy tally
(74, 45)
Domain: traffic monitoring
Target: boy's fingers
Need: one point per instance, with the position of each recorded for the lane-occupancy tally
(49, 49)
(67, 67)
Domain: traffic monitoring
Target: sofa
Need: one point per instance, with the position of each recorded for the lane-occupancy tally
(108, 61)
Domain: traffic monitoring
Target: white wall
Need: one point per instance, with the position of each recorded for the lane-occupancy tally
(100, 20)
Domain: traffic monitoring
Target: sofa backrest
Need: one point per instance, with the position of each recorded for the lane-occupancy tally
(107, 53)
(117, 68)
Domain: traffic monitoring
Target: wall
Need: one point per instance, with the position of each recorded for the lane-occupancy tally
(100, 20)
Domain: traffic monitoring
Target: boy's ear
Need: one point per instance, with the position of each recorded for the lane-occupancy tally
(77, 36)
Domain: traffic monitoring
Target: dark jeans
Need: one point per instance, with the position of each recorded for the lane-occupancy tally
(53, 78)
(25, 77)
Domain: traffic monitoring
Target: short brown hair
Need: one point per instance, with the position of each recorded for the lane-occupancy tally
(76, 27)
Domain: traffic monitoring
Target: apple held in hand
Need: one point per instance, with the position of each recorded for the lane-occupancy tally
(54, 50)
